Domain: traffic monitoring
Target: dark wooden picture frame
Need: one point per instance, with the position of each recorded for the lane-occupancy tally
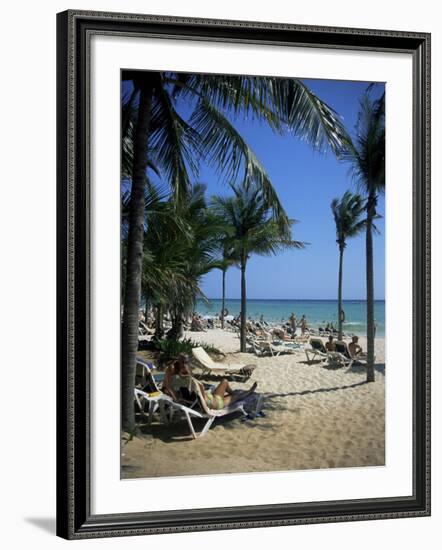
(74, 518)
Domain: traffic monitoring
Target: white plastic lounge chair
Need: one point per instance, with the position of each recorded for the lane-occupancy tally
(212, 414)
(317, 351)
(277, 349)
(167, 407)
(155, 401)
(263, 347)
(144, 374)
(209, 366)
(257, 346)
(334, 358)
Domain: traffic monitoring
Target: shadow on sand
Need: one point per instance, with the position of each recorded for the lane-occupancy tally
(179, 430)
(309, 392)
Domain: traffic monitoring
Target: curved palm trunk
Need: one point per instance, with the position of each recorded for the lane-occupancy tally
(223, 302)
(341, 258)
(177, 330)
(370, 289)
(159, 331)
(132, 293)
(243, 305)
(146, 308)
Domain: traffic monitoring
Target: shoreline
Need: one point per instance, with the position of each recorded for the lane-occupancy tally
(351, 325)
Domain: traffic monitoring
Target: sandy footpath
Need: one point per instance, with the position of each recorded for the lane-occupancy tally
(315, 417)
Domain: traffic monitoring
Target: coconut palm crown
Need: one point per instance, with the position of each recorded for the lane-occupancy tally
(254, 232)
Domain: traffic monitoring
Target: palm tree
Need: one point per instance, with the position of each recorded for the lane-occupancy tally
(227, 260)
(367, 157)
(155, 135)
(255, 232)
(177, 254)
(347, 213)
(198, 256)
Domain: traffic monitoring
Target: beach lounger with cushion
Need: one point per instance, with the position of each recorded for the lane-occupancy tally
(317, 351)
(254, 400)
(208, 366)
(261, 346)
(342, 348)
(276, 349)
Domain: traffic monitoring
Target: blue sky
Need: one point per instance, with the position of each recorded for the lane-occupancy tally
(306, 182)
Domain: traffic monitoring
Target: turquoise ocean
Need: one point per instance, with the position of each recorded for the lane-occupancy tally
(317, 312)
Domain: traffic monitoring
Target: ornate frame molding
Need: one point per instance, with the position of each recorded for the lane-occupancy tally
(74, 30)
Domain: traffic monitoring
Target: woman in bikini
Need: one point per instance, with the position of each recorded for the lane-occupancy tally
(223, 395)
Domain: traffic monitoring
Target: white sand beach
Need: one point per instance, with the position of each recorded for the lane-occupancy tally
(315, 417)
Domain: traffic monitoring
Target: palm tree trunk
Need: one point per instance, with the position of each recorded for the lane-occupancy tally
(370, 289)
(132, 293)
(243, 305)
(176, 332)
(341, 258)
(159, 322)
(146, 308)
(223, 302)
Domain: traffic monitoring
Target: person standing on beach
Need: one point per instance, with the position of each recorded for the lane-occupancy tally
(292, 320)
(303, 325)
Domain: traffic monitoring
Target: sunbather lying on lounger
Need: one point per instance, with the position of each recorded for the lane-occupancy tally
(223, 395)
(282, 334)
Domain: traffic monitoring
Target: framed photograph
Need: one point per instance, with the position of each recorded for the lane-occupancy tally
(243, 274)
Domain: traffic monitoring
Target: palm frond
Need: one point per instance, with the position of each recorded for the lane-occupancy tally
(366, 154)
(254, 229)
(348, 212)
(225, 149)
(310, 118)
(174, 144)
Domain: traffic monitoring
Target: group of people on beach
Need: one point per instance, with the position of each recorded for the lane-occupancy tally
(354, 348)
(293, 322)
(286, 330)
